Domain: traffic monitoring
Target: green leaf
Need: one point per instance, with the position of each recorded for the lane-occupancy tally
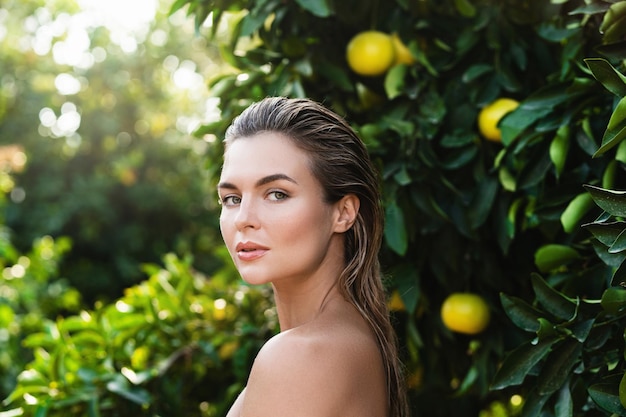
(619, 245)
(395, 229)
(606, 233)
(41, 411)
(547, 330)
(519, 362)
(564, 405)
(609, 77)
(580, 330)
(558, 366)
(613, 300)
(319, 8)
(177, 5)
(475, 71)
(552, 256)
(613, 202)
(575, 211)
(606, 395)
(255, 18)
(522, 314)
(465, 8)
(552, 300)
(613, 260)
(559, 148)
(480, 206)
(394, 81)
(406, 280)
(616, 129)
(613, 27)
(533, 108)
(121, 387)
(533, 404)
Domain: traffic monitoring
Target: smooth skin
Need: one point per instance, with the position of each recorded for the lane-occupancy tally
(280, 231)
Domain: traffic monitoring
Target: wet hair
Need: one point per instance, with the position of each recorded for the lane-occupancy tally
(341, 164)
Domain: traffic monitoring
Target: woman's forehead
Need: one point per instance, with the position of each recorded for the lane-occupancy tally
(264, 154)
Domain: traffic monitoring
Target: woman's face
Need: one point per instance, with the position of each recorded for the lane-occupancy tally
(274, 220)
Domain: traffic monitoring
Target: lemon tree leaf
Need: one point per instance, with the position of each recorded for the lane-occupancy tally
(394, 81)
(564, 406)
(465, 7)
(551, 256)
(606, 395)
(319, 8)
(611, 201)
(619, 245)
(615, 130)
(480, 206)
(558, 366)
(613, 260)
(534, 403)
(582, 329)
(613, 300)
(606, 233)
(552, 300)
(395, 229)
(522, 314)
(519, 362)
(609, 77)
(406, 280)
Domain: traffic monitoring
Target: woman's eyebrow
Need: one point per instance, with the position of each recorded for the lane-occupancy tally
(275, 177)
(265, 180)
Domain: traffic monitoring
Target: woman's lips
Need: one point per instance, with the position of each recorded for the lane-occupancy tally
(249, 251)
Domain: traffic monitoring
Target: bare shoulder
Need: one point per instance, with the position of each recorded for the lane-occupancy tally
(319, 370)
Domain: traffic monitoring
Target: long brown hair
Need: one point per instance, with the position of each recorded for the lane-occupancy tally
(340, 162)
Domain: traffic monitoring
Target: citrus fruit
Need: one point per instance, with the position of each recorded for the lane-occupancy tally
(402, 52)
(465, 313)
(395, 302)
(370, 53)
(490, 116)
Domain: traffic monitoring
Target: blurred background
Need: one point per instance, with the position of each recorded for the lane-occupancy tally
(99, 100)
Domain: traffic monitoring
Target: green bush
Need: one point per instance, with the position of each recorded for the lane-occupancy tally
(177, 344)
(127, 185)
(31, 290)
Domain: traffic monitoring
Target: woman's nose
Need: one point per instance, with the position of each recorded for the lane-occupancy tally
(247, 215)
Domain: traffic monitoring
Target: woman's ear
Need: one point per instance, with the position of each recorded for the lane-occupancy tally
(347, 210)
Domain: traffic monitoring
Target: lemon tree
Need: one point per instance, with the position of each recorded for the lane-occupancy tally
(472, 197)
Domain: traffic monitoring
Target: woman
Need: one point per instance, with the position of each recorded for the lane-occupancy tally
(301, 211)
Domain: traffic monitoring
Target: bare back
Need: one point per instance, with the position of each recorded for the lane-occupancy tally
(328, 367)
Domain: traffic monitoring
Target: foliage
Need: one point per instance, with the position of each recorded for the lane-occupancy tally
(30, 291)
(109, 161)
(462, 213)
(176, 344)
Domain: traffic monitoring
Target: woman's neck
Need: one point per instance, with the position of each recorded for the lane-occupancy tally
(298, 305)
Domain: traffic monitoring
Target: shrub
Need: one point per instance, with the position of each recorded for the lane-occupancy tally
(177, 344)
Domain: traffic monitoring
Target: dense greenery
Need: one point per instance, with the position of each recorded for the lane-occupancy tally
(465, 214)
(125, 183)
(513, 221)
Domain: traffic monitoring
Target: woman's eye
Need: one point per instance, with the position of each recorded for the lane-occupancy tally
(230, 200)
(277, 195)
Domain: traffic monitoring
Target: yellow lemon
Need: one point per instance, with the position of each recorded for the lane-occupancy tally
(465, 313)
(402, 52)
(490, 116)
(370, 53)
